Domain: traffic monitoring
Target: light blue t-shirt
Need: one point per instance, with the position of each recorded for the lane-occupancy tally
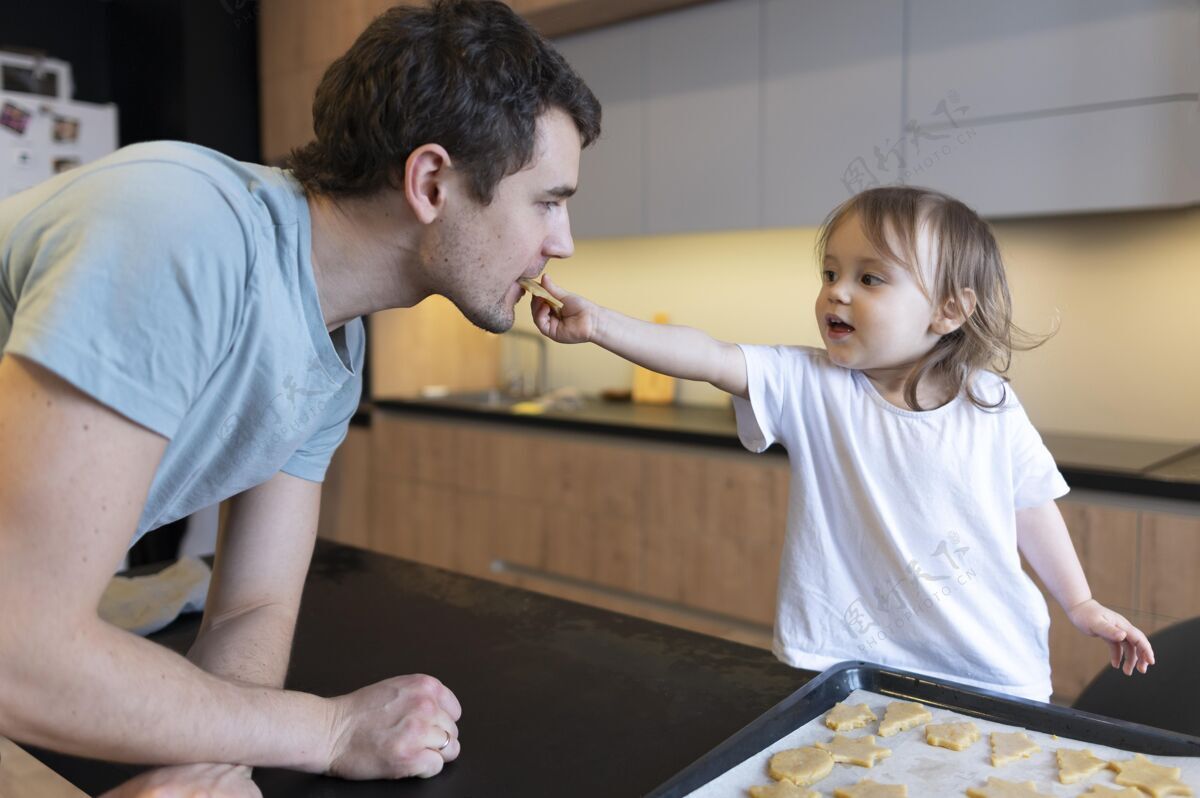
(175, 285)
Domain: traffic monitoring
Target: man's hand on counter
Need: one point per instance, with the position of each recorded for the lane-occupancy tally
(190, 781)
(404, 726)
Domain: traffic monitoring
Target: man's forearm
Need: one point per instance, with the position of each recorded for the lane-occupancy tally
(69, 690)
(251, 647)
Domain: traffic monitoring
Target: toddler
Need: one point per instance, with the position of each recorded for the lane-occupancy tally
(916, 477)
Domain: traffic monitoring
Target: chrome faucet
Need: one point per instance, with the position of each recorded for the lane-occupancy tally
(539, 383)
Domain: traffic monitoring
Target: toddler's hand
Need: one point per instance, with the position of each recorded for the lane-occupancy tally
(576, 323)
(1125, 641)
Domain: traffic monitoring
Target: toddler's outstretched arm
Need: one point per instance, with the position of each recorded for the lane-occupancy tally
(682, 352)
(1043, 539)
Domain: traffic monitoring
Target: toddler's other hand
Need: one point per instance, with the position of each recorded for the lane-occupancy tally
(576, 323)
(1125, 641)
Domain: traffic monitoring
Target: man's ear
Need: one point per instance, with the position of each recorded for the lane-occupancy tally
(954, 314)
(426, 178)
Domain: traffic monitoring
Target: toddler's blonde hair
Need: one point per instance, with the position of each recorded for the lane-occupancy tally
(967, 256)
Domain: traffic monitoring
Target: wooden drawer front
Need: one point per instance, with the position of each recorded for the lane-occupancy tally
(1169, 576)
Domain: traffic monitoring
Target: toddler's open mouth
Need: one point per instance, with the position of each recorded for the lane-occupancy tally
(836, 327)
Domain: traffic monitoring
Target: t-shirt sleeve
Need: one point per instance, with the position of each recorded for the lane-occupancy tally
(311, 460)
(128, 285)
(760, 418)
(1036, 478)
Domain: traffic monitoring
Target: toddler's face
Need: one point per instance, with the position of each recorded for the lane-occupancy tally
(872, 312)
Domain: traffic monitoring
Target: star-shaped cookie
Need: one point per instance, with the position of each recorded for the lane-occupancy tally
(1108, 792)
(844, 717)
(902, 716)
(870, 789)
(1077, 764)
(1158, 780)
(855, 751)
(955, 736)
(999, 788)
(782, 789)
(802, 766)
(1011, 746)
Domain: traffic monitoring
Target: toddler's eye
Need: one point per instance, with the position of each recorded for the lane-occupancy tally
(871, 279)
(828, 276)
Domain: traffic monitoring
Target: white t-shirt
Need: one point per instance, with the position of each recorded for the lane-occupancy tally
(901, 546)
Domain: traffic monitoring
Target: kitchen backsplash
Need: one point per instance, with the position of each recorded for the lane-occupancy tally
(1124, 290)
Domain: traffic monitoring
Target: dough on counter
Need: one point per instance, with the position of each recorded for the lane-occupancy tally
(1109, 792)
(782, 789)
(855, 750)
(870, 789)
(902, 716)
(955, 736)
(1076, 764)
(999, 788)
(802, 766)
(844, 717)
(1158, 780)
(1011, 746)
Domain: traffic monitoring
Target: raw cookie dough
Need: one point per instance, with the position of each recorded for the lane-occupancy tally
(1011, 746)
(999, 788)
(870, 789)
(802, 766)
(844, 717)
(1108, 792)
(783, 789)
(1077, 764)
(1158, 780)
(902, 716)
(955, 736)
(855, 751)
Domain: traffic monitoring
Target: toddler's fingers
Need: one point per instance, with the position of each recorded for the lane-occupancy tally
(1131, 658)
(1103, 627)
(1114, 653)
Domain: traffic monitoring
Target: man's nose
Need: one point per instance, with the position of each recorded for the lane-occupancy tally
(559, 243)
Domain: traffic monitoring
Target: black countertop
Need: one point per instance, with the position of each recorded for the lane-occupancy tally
(558, 698)
(1148, 468)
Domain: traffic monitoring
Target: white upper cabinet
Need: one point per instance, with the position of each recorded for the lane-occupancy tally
(1021, 56)
(833, 80)
(611, 198)
(1109, 160)
(767, 113)
(703, 156)
(1063, 106)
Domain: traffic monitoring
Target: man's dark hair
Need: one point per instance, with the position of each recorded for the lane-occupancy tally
(469, 75)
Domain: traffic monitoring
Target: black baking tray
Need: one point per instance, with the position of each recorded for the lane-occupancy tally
(820, 694)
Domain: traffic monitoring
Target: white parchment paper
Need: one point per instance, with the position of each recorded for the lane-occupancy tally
(931, 771)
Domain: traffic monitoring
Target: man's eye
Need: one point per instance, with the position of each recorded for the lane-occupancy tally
(871, 279)
(551, 204)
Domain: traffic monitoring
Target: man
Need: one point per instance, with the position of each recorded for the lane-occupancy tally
(179, 328)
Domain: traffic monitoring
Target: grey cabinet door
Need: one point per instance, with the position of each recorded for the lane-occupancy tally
(1021, 56)
(832, 85)
(610, 201)
(1062, 107)
(703, 118)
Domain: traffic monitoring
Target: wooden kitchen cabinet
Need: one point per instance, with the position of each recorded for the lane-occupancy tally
(1140, 563)
(687, 535)
(681, 534)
